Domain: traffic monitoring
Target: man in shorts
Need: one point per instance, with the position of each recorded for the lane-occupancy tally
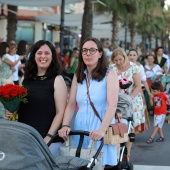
(159, 100)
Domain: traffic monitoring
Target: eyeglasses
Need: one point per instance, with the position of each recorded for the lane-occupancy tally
(91, 50)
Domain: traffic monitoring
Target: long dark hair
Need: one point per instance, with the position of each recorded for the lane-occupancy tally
(22, 50)
(100, 71)
(3, 46)
(31, 69)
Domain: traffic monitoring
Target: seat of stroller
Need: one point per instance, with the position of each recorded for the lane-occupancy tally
(71, 163)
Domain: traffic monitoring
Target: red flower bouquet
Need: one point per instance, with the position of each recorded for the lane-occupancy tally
(124, 83)
(11, 95)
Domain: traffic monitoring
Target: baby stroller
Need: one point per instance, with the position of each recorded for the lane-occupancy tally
(23, 148)
(126, 108)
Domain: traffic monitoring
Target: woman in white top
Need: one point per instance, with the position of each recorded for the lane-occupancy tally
(133, 56)
(153, 71)
(13, 60)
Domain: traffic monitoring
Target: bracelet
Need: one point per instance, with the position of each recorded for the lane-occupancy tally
(65, 126)
(49, 135)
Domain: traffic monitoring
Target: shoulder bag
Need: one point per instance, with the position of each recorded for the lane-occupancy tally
(116, 133)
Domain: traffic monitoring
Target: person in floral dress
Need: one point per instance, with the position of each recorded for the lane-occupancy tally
(5, 71)
(130, 71)
(133, 56)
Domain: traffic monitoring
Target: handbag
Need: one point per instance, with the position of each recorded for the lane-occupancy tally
(7, 81)
(116, 133)
(67, 149)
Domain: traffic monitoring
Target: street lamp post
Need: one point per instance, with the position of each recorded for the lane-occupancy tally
(2, 10)
(62, 27)
(126, 28)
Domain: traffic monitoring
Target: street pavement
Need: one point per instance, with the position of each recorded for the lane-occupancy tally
(154, 156)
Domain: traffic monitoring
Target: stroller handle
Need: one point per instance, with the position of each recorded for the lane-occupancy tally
(75, 132)
(86, 133)
(79, 132)
(82, 134)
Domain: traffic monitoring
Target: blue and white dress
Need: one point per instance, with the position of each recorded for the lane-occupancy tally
(86, 119)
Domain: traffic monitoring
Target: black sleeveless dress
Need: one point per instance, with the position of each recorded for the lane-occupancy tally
(40, 110)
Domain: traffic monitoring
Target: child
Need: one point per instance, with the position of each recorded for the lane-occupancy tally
(118, 115)
(159, 101)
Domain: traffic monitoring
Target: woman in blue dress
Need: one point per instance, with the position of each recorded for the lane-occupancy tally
(103, 88)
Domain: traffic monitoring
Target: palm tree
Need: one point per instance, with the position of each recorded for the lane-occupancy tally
(120, 10)
(135, 8)
(12, 22)
(87, 21)
(151, 22)
(167, 33)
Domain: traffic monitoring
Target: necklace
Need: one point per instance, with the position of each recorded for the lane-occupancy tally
(41, 77)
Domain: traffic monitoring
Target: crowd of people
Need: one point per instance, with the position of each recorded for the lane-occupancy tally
(50, 111)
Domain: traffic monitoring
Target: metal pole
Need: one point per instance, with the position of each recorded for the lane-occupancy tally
(126, 27)
(62, 27)
(2, 10)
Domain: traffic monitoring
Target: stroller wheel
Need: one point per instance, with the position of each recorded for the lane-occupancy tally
(130, 167)
(108, 167)
(125, 166)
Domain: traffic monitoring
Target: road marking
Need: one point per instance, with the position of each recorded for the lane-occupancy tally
(148, 167)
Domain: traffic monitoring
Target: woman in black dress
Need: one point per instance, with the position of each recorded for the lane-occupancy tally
(47, 93)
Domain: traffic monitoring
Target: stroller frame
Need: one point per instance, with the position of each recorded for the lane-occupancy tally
(123, 163)
(93, 160)
(123, 159)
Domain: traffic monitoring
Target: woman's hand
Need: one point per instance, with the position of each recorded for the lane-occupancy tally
(21, 57)
(13, 69)
(150, 95)
(96, 134)
(63, 132)
(8, 114)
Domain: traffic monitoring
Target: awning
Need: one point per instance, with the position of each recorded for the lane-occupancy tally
(38, 3)
(73, 20)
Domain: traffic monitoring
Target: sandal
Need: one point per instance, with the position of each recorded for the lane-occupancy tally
(150, 140)
(160, 139)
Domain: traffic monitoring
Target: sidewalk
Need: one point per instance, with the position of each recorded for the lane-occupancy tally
(156, 154)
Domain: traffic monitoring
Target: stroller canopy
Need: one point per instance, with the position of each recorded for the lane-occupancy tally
(125, 105)
(22, 147)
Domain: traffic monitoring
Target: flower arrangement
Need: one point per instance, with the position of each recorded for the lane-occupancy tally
(124, 83)
(10, 96)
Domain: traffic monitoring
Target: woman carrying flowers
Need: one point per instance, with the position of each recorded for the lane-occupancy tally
(5, 71)
(130, 72)
(47, 93)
